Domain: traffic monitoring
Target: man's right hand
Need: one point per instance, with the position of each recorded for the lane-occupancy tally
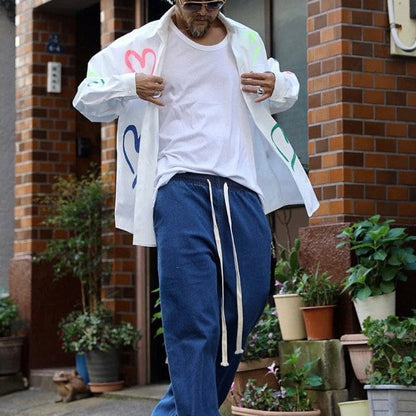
(150, 88)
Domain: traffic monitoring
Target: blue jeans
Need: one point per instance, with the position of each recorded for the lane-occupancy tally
(192, 287)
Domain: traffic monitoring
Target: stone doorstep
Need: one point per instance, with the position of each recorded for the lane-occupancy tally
(42, 378)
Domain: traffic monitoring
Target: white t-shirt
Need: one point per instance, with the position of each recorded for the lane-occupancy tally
(204, 125)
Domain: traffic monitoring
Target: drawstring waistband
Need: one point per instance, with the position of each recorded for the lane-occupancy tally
(239, 340)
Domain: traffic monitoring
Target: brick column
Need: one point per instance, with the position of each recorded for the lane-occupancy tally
(362, 112)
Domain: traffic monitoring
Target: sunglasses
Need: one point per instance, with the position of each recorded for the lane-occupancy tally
(193, 6)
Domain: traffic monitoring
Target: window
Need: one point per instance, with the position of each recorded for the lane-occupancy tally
(282, 25)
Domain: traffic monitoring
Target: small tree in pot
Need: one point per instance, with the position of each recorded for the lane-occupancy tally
(79, 216)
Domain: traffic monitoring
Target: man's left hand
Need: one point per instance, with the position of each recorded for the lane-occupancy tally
(261, 84)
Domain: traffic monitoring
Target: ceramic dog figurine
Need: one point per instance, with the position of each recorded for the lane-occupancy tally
(69, 385)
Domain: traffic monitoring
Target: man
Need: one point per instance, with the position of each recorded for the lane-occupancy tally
(200, 162)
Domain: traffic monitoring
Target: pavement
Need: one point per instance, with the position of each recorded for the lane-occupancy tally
(131, 401)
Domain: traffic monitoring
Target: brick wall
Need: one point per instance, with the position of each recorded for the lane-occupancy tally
(362, 114)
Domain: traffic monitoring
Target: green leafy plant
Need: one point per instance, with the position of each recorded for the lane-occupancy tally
(318, 289)
(9, 316)
(83, 332)
(382, 254)
(290, 396)
(263, 340)
(157, 314)
(288, 271)
(392, 342)
(77, 213)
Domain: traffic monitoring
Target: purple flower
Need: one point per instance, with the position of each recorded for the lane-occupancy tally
(272, 368)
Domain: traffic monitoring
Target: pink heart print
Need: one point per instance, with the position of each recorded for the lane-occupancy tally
(131, 56)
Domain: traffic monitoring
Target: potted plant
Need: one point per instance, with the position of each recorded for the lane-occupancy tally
(382, 254)
(288, 302)
(320, 295)
(289, 398)
(95, 335)
(78, 213)
(260, 351)
(391, 387)
(10, 343)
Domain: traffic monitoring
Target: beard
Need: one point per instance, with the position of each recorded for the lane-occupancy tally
(199, 29)
(197, 25)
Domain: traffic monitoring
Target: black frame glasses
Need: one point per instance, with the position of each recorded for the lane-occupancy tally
(196, 6)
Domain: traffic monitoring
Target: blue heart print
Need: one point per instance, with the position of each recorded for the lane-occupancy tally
(136, 138)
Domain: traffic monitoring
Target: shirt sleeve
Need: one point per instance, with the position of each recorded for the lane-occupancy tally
(286, 89)
(107, 87)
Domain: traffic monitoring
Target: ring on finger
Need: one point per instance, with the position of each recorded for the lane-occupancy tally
(260, 91)
(157, 94)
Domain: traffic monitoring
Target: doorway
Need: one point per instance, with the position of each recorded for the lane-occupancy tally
(159, 373)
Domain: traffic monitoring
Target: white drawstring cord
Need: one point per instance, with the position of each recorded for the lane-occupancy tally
(224, 349)
(239, 340)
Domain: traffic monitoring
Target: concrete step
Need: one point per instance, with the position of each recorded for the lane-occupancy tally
(42, 378)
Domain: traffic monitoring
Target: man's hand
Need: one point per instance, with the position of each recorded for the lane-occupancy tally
(150, 88)
(261, 84)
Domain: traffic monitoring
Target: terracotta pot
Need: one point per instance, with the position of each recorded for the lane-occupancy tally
(256, 369)
(103, 387)
(291, 321)
(319, 321)
(242, 411)
(359, 353)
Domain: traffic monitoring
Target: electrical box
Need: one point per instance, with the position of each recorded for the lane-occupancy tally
(404, 11)
(54, 77)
